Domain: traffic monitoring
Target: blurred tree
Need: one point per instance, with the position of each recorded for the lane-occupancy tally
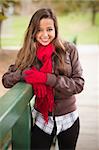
(3, 5)
(6, 9)
(67, 6)
(94, 5)
(26, 6)
(91, 6)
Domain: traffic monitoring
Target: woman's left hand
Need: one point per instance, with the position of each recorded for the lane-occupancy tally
(34, 76)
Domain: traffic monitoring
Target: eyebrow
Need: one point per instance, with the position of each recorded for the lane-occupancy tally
(47, 26)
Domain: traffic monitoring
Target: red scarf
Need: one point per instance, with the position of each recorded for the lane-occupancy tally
(45, 104)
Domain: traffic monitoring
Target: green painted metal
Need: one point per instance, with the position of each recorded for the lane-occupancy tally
(13, 106)
(6, 141)
(21, 131)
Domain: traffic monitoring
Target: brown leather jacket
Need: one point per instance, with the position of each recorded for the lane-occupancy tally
(65, 86)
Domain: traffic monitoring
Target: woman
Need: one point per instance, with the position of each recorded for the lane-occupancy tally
(53, 69)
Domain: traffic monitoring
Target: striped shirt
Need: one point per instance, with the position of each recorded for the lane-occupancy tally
(62, 122)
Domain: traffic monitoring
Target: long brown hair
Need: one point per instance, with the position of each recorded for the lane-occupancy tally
(27, 53)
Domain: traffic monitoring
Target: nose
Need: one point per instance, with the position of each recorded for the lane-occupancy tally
(45, 34)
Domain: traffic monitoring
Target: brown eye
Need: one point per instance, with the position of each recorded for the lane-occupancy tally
(38, 30)
(50, 29)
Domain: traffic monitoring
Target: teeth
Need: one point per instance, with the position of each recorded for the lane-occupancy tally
(44, 41)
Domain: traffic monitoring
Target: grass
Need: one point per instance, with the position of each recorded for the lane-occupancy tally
(78, 24)
(13, 30)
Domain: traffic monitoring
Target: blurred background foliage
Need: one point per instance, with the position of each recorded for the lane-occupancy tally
(75, 17)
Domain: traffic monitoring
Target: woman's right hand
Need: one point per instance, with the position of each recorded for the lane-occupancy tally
(9, 79)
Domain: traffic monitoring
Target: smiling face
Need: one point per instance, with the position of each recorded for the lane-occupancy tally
(46, 31)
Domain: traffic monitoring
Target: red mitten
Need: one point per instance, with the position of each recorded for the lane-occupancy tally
(34, 76)
(40, 90)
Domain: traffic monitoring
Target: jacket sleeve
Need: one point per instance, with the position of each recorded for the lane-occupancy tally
(11, 77)
(69, 85)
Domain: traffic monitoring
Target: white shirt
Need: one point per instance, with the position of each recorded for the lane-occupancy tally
(62, 122)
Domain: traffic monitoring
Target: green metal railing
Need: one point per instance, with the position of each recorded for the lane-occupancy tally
(15, 117)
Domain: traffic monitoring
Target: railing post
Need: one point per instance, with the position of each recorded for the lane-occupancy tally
(21, 131)
(15, 117)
